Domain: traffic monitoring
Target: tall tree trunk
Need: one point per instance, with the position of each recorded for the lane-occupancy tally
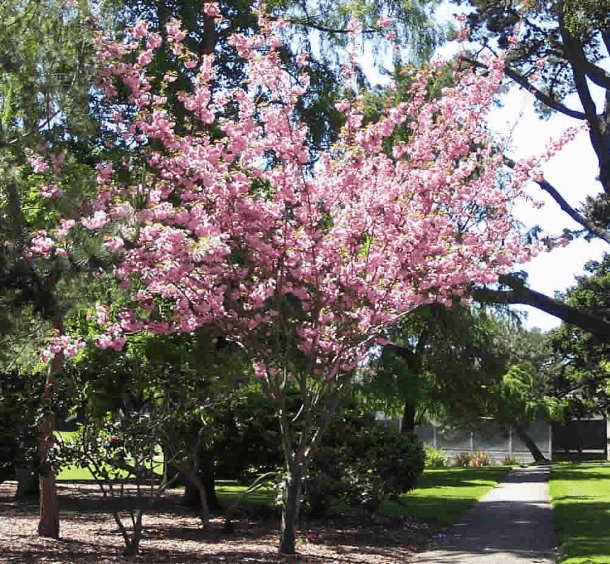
(48, 525)
(290, 509)
(530, 444)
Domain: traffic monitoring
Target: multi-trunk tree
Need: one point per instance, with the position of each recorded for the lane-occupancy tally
(302, 262)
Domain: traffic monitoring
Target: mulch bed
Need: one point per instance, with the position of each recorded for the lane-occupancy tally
(173, 534)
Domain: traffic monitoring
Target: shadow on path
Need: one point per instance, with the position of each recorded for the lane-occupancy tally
(512, 524)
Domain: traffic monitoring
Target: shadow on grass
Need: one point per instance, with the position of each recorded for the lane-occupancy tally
(582, 526)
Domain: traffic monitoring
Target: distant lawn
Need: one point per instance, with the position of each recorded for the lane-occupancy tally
(580, 496)
(447, 493)
(78, 473)
(444, 494)
(228, 493)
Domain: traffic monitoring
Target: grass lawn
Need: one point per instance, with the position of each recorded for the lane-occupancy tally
(78, 473)
(580, 494)
(442, 493)
(447, 493)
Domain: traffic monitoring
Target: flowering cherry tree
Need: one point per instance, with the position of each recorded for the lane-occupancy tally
(301, 259)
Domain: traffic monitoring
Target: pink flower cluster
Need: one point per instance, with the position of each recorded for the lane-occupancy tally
(42, 245)
(329, 253)
(64, 345)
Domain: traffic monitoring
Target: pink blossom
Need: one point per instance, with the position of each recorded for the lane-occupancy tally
(66, 225)
(145, 58)
(102, 314)
(114, 244)
(50, 191)
(96, 221)
(302, 58)
(538, 176)
(140, 30)
(384, 22)
(104, 170)
(42, 245)
(39, 164)
(153, 41)
(211, 9)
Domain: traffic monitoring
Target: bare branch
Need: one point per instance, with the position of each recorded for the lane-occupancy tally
(521, 294)
(525, 83)
(567, 208)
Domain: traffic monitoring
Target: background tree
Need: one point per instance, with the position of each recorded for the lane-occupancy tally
(584, 377)
(44, 108)
(441, 365)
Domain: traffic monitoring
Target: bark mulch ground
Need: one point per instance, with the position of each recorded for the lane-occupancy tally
(173, 534)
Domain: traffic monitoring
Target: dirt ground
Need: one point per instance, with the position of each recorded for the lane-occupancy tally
(174, 535)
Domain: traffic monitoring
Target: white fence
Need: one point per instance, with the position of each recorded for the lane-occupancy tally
(496, 441)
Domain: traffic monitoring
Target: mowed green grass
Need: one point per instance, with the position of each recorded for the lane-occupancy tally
(446, 494)
(76, 472)
(580, 494)
(443, 494)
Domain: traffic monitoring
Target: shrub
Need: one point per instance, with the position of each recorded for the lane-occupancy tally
(360, 464)
(479, 459)
(461, 459)
(435, 458)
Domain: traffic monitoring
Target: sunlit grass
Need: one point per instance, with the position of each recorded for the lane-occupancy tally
(446, 493)
(580, 495)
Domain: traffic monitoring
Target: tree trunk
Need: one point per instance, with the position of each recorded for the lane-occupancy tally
(407, 426)
(290, 510)
(530, 444)
(192, 498)
(28, 484)
(194, 480)
(204, 468)
(48, 525)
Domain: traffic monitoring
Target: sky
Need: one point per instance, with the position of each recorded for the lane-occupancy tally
(572, 172)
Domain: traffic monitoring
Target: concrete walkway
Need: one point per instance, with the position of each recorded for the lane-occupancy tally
(511, 524)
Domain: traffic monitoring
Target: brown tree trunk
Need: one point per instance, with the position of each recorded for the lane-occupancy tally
(530, 444)
(290, 510)
(48, 525)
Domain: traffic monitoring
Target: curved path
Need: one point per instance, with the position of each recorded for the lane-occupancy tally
(511, 524)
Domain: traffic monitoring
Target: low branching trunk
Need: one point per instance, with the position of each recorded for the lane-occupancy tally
(530, 444)
(192, 476)
(290, 510)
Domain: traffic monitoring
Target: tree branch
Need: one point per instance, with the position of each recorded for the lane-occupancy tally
(567, 208)
(525, 83)
(521, 294)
